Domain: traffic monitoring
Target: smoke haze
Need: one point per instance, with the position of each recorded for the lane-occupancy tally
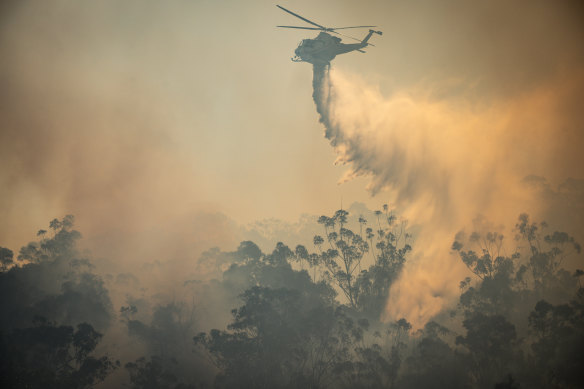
(164, 127)
(139, 117)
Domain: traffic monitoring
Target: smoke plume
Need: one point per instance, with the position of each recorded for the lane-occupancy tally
(445, 161)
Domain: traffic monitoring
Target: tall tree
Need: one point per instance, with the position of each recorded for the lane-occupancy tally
(342, 255)
(52, 279)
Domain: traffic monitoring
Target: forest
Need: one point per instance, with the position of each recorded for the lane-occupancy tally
(310, 316)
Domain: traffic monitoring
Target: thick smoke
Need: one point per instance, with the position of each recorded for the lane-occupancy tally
(445, 161)
(91, 126)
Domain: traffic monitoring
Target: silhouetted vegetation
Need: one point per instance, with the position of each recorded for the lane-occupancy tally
(50, 356)
(308, 317)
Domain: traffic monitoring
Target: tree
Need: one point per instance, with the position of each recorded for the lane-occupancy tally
(51, 356)
(61, 245)
(375, 363)
(52, 279)
(167, 337)
(490, 341)
(433, 362)
(509, 283)
(6, 259)
(368, 289)
(557, 333)
(169, 331)
(547, 253)
(273, 341)
(497, 305)
(343, 257)
(216, 261)
(290, 332)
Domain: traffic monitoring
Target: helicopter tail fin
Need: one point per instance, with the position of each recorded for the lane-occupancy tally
(371, 32)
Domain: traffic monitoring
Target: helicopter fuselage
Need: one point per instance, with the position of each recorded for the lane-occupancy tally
(324, 48)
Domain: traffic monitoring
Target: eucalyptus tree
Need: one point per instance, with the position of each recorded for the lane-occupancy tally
(512, 333)
(343, 256)
(51, 278)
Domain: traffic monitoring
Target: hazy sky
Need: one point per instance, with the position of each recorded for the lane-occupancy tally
(140, 116)
(134, 107)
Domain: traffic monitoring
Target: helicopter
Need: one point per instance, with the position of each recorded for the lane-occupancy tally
(325, 47)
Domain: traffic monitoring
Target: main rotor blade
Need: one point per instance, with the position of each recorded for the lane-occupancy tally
(343, 28)
(300, 17)
(301, 28)
(348, 36)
